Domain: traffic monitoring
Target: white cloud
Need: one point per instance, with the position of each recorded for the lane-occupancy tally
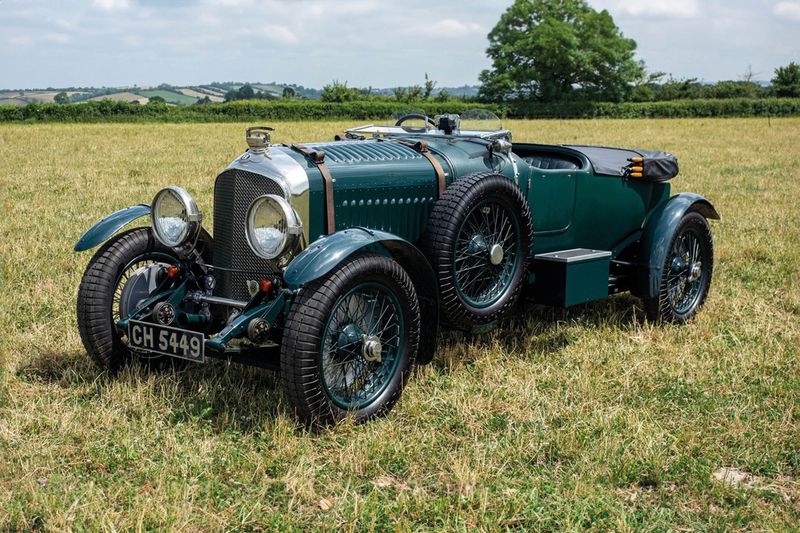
(664, 8)
(452, 28)
(281, 34)
(21, 40)
(58, 38)
(789, 10)
(47, 37)
(111, 5)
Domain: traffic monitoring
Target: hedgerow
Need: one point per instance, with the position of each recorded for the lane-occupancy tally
(250, 110)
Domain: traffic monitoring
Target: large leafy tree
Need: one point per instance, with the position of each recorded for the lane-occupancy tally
(551, 50)
(787, 80)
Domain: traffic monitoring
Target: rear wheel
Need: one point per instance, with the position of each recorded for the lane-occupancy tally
(350, 341)
(686, 274)
(479, 238)
(122, 272)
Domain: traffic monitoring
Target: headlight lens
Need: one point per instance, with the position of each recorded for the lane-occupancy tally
(272, 226)
(175, 216)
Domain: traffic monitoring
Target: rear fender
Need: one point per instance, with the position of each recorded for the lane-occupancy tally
(101, 231)
(325, 254)
(658, 231)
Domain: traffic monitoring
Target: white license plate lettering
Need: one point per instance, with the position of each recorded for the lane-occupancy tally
(163, 343)
(166, 340)
(195, 344)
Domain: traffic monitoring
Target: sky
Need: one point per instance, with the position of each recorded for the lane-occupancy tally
(382, 43)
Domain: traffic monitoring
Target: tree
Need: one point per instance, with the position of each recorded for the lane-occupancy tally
(246, 92)
(430, 85)
(339, 92)
(157, 100)
(61, 98)
(786, 82)
(676, 89)
(555, 49)
(735, 89)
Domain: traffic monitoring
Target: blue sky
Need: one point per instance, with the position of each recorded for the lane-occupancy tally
(365, 42)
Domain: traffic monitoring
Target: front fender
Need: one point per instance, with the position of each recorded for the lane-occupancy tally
(101, 231)
(326, 253)
(658, 230)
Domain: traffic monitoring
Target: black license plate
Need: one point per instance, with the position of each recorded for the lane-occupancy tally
(166, 340)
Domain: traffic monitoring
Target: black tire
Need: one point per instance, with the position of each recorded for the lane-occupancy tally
(95, 307)
(442, 238)
(314, 320)
(677, 271)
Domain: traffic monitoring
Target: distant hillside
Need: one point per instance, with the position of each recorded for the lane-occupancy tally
(185, 95)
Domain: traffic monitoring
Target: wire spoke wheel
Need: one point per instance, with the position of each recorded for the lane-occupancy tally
(137, 281)
(361, 345)
(478, 238)
(686, 274)
(350, 341)
(136, 266)
(124, 271)
(486, 252)
(685, 278)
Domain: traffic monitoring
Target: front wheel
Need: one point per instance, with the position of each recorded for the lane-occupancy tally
(686, 273)
(350, 341)
(122, 272)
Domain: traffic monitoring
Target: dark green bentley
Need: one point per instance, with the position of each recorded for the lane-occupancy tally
(337, 262)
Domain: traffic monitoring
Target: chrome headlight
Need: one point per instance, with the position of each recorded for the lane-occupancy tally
(176, 217)
(273, 227)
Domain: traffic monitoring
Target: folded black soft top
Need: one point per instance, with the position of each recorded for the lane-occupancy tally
(655, 166)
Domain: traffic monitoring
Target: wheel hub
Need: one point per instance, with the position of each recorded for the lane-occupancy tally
(496, 254)
(695, 271)
(371, 348)
(478, 244)
(678, 265)
(349, 335)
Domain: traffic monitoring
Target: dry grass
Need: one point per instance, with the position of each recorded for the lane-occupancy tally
(587, 418)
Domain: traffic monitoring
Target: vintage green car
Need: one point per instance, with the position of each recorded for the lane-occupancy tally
(337, 262)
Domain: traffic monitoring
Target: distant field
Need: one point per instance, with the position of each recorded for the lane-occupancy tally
(198, 95)
(213, 91)
(29, 97)
(123, 97)
(276, 90)
(170, 96)
(559, 420)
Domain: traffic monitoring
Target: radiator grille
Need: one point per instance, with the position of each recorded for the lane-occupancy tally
(234, 191)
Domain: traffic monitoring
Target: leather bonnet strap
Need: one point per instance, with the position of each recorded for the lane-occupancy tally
(423, 149)
(317, 158)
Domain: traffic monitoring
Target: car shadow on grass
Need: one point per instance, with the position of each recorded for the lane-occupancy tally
(226, 397)
(246, 399)
(533, 328)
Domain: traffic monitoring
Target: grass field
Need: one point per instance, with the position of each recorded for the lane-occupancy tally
(172, 97)
(587, 418)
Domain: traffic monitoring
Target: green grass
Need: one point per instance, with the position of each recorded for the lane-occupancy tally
(586, 418)
(170, 97)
